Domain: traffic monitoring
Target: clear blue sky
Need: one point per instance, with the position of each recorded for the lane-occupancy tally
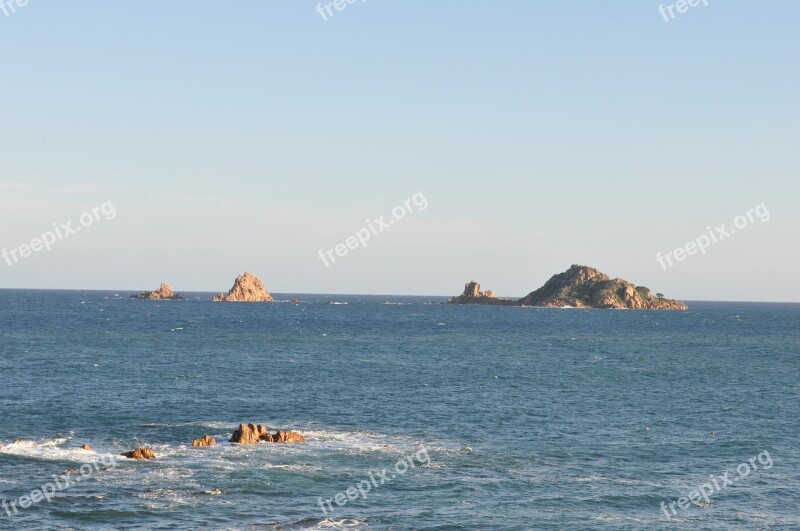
(248, 135)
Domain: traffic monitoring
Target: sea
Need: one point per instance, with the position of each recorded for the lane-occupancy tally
(416, 414)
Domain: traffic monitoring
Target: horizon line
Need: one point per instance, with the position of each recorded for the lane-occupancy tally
(358, 294)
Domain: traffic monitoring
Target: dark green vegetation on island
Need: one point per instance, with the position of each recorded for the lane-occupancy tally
(577, 287)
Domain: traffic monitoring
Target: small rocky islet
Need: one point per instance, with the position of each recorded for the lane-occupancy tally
(163, 293)
(246, 288)
(577, 287)
(254, 434)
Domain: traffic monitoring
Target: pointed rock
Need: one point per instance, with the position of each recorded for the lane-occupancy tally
(246, 288)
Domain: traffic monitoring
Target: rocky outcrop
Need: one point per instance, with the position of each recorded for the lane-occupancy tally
(248, 434)
(163, 293)
(579, 287)
(141, 453)
(246, 288)
(205, 440)
(586, 287)
(473, 295)
(253, 434)
(288, 437)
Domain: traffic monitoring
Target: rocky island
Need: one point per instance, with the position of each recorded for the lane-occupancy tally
(163, 293)
(577, 287)
(252, 434)
(473, 295)
(246, 288)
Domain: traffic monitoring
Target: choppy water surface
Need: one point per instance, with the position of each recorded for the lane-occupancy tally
(513, 418)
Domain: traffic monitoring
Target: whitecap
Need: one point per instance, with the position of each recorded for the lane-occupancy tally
(52, 450)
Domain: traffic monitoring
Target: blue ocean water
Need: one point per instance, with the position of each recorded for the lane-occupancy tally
(513, 418)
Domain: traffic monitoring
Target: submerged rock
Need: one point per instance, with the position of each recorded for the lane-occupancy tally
(205, 440)
(163, 293)
(246, 288)
(140, 453)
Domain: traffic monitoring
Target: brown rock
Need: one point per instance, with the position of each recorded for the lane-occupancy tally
(140, 453)
(473, 295)
(288, 437)
(163, 293)
(246, 288)
(472, 289)
(248, 434)
(87, 448)
(205, 440)
(252, 434)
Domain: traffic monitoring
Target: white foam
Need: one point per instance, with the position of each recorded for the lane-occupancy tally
(342, 523)
(52, 450)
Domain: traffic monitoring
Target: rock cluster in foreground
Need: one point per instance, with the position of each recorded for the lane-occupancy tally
(578, 287)
(252, 434)
(163, 293)
(246, 288)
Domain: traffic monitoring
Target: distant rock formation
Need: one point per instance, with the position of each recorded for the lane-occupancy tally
(205, 440)
(246, 288)
(585, 287)
(252, 434)
(163, 293)
(141, 453)
(580, 287)
(473, 295)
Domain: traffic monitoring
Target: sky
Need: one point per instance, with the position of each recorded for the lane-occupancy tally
(259, 135)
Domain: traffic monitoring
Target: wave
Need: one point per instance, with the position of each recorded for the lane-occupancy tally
(341, 523)
(319, 441)
(52, 450)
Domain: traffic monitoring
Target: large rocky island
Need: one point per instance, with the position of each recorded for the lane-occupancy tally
(577, 287)
(246, 288)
